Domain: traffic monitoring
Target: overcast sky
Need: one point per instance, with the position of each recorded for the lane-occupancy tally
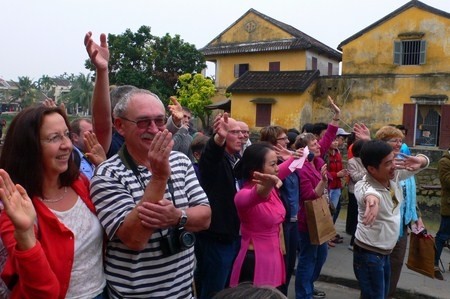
(45, 37)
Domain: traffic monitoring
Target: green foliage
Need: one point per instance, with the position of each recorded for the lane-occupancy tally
(78, 99)
(150, 62)
(195, 92)
(26, 93)
(45, 84)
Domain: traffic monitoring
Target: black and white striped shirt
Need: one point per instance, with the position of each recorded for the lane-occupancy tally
(115, 191)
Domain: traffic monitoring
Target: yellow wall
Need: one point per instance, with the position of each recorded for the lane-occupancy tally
(373, 52)
(377, 101)
(264, 31)
(289, 111)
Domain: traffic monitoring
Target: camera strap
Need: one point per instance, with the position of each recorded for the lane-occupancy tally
(129, 163)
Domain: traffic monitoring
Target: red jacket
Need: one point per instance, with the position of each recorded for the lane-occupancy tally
(44, 270)
(334, 166)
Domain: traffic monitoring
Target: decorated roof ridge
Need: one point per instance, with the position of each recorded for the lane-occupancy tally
(308, 41)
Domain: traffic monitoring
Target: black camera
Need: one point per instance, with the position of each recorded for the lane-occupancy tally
(176, 241)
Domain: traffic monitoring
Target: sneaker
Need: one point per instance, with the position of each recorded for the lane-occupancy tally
(438, 274)
(319, 294)
(350, 247)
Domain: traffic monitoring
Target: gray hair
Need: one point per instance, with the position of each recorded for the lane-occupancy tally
(304, 139)
(122, 106)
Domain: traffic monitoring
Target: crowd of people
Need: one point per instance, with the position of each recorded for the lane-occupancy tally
(134, 204)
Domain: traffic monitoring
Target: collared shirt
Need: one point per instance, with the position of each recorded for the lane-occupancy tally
(86, 167)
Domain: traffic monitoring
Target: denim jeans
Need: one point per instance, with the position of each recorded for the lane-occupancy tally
(216, 262)
(334, 195)
(290, 230)
(373, 271)
(442, 235)
(310, 261)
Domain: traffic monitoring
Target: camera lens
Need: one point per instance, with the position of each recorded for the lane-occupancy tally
(187, 239)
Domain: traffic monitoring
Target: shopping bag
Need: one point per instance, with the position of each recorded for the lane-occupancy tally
(320, 223)
(421, 254)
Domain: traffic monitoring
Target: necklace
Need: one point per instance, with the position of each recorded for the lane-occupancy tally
(50, 200)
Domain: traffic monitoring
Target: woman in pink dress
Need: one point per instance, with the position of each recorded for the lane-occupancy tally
(260, 259)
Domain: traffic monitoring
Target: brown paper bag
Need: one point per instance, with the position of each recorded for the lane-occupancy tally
(320, 223)
(421, 254)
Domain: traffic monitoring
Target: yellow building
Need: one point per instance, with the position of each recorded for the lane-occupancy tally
(270, 68)
(397, 70)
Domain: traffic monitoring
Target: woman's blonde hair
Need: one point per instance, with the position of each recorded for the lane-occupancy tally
(388, 132)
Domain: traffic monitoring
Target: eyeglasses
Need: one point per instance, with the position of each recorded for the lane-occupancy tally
(395, 141)
(145, 122)
(235, 132)
(57, 138)
(285, 138)
(245, 132)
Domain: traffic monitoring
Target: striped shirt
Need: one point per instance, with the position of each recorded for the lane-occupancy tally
(115, 191)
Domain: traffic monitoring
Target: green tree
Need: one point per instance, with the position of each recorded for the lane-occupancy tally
(26, 93)
(78, 99)
(151, 62)
(195, 92)
(46, 85)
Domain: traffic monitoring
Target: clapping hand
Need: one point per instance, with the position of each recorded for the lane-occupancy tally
(158, 155)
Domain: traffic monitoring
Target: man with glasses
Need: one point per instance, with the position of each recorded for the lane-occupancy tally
(218, 246)
(139, 194)
(246, 132)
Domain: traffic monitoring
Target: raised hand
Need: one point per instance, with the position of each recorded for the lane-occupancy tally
(334, 107)
(99, 54)
(266, 180)
(361, 131)
(221, 125)
(19, 208)
(176, 110)
(94, 150)
(410, 163)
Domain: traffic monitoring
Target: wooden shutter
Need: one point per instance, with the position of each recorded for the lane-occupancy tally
(423, 51)
(274, 66)
(398, 52)
(330, 69)
(263, 114)
(409, 121)
(444, 134)
(314, 63)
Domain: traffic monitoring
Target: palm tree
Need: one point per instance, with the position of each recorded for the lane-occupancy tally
(26, 93)
(45, 85)
(81, 93)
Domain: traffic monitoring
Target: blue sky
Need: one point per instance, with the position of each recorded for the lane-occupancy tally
(46, 37)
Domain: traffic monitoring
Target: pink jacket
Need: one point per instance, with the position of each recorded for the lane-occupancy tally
(44, 270)
(261, 220)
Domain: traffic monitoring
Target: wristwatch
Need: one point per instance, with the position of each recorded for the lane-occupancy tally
(183, 219)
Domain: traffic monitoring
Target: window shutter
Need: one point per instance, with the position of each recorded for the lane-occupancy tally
(423, 51)
(236, 70)
(444, 134)
(409, 121)
(397, 52)
(263, 114)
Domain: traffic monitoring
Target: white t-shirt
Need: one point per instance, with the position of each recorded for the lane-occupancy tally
(87, 279)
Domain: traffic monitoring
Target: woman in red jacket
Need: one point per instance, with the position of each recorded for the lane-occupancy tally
(49, 226)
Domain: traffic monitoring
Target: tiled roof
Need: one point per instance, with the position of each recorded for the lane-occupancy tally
(300, 41)
(273, 82)
(410, 4)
